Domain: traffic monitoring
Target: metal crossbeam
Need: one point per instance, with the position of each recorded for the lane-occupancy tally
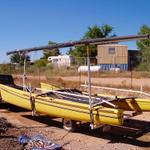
(98, 41)
(102, 100)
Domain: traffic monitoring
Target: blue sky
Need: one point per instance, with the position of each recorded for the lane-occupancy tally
(28, 23)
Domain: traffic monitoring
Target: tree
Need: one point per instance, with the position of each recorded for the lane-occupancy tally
(53, 52)
(19, 59)
(145, 29)
(144, 48)
(98, 31)
(92, 33)
(40, 63)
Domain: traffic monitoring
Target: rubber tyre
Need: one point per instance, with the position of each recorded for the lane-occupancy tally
(69, 125)
(106, 128)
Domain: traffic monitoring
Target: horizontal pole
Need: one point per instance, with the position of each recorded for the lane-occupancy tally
(117, 89)
(97, 41)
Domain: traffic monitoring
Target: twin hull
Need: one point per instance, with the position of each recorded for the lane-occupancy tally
(135, 104)
(60, 107)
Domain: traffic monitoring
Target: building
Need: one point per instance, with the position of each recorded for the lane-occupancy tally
(115, 56)
(133, 59)
(112, 56)
(61, 60)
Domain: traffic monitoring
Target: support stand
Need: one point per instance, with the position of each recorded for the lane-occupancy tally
(89, 89)
(24, 73)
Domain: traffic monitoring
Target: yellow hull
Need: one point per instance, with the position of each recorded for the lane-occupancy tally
(137, 104)
(131, 104)
(61, 108)
(48, 86)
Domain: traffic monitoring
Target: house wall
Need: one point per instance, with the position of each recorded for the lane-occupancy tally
(133, 59)
(112, 56)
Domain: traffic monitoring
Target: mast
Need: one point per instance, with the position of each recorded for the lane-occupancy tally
(89, 88)
(98, 41)
(24, 74)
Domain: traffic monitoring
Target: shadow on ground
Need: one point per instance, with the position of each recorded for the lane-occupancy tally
(130, 133)
(12, 108)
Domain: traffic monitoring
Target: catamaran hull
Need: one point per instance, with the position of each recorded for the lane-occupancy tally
(132, 104)
(61, 108)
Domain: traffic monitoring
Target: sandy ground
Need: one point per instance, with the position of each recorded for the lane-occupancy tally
(145, 82)
(117, 81)
(136, 137)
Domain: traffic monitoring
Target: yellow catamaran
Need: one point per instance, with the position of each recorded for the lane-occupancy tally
(60, 104)
(124, 103)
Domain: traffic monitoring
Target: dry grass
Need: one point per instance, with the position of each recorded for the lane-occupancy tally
(135, 74)
(73, 84)
(57, 81)
(72, 71)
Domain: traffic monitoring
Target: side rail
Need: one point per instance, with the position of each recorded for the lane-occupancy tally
(117, 89)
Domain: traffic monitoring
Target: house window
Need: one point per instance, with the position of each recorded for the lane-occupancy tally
(111, 51)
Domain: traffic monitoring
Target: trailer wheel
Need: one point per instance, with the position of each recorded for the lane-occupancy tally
(69, 125)
(106, 128)
(1, 101)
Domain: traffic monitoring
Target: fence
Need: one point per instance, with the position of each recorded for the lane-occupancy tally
(105, 63)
